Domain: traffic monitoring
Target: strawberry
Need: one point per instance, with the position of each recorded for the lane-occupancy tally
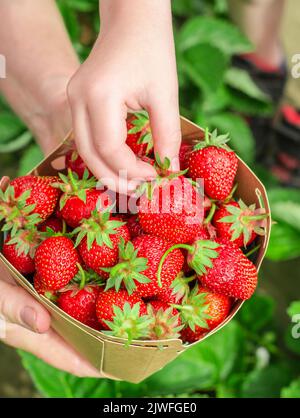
(215, 163)
(184, 155)
(79, 198)
(98, 238)
(19, 251)
(134, 227)
(139, 136)
(166, 321)
(76, 164)
(221, 266)
(240, 223)
(202, 312)
(56, 262)
(111, 298)
(79, 300)
(42, 194)
(172, 209)
(53, 223)
(178, 290)
(137, 267)
(42, 290)
(152, 248)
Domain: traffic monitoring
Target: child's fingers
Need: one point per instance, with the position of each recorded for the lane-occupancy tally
(165, 125)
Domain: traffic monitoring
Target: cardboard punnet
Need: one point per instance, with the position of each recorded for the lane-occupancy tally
(141, 358)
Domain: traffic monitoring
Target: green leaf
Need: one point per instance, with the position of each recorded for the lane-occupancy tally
(288, 212)
(276, 195)
(266, 383)
(70, 20)
(10, 127)
(241, 80)
(198, 62)
(247, 105)
(83, 5)
(17, 143)
(284, 243)
(216, 32)
(294, 308)
(241, 138)
(53, 383)
(257, 312)
(30, 158)
(291, 391)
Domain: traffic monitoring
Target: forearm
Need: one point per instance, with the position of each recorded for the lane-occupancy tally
(38, 53)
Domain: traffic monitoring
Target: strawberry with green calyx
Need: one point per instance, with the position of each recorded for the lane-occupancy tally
(42, 290)
(98, 238)
(240, 223)
(128, 271)
(215, 163)
(129, 324)
(16, 213)
(56, 260)
(166, 322)
(79, 197)
(79, 300)
(76, 164)
(179, 289)
(221, 266)
(42, 195)
(139, 136)
(107, 300)
(20, 249)
(153, 248)
(203, 311)
(170, 207)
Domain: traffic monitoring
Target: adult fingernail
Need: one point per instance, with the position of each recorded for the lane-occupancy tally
(28, 317)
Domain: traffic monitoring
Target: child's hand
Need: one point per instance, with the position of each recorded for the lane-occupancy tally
(132, 66)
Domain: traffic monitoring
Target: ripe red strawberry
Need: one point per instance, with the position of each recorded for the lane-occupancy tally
(56, 262)
(80, 198)
(53, 223)
(19, 251)
(184, 155)
(42, 290)
(173, 209)
(110, 298)
(139, 136)
(81, 303)
(137, 267)
(76, 164)
(202, 312)
(134, 227)
(166, 321)
(178, 291)
(240, 223)
(221, 266)
(216, 164)
(98, 239)
(42, 194)
(152, 248)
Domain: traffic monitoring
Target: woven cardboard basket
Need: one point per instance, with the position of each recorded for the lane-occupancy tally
(141, 358)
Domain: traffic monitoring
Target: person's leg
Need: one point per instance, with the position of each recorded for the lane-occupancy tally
(260, 21)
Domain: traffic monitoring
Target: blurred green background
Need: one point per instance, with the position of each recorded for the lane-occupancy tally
(255, 355)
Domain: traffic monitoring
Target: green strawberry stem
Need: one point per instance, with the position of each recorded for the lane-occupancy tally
(206, 136)
(253, 250)
(83, 277)
(230, 196)
(64, 227)
(210, 214)
(72, 180)
(187, 247)
(255, 217)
